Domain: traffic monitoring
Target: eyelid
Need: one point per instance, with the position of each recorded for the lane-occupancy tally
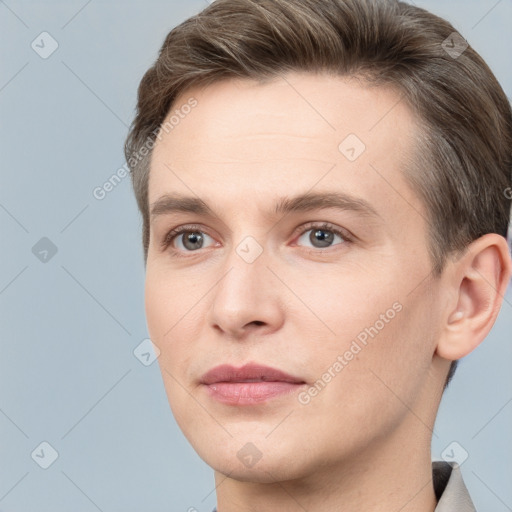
(327, 226)
(169, 238)
(175, 232)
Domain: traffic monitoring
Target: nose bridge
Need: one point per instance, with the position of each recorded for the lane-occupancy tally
(245, 271)
(247, 254)
(244, 294)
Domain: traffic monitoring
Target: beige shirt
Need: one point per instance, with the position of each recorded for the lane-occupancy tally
(451, 492)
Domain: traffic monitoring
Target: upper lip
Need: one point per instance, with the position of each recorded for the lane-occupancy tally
(251, 372)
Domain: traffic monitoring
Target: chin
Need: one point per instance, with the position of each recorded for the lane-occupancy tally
(271, 470)
(259, 462)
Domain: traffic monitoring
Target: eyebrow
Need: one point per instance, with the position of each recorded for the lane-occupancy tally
(177, 203)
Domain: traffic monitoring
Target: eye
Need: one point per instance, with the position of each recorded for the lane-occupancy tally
(191, 238)
(322, 236)
(186, 239)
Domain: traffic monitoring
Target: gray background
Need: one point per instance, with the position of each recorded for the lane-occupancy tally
(70, 325)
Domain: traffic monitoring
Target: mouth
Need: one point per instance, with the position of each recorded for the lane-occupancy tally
(248, 385)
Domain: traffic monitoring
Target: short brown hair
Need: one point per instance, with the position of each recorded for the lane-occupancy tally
(463, 165)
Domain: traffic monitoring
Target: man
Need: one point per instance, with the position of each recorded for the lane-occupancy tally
(323, 193)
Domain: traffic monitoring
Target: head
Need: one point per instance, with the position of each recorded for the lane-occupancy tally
(252, 103)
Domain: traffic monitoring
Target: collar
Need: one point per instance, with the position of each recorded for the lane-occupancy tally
(451, 492)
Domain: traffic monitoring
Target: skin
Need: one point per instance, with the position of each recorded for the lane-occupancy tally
(363, 442)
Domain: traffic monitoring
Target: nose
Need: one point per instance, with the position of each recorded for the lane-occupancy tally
(246, 300)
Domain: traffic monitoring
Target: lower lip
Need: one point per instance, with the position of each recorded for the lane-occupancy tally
(249, 393)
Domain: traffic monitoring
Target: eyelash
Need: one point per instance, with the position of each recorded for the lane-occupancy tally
(174, 233)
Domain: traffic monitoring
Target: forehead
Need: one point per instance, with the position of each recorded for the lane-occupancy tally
(291, 134)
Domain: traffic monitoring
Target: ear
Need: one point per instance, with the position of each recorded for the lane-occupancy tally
(477, 282)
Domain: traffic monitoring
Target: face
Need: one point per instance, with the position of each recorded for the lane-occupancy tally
(332, 289)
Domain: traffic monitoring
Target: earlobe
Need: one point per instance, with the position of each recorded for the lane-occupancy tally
(479, 280)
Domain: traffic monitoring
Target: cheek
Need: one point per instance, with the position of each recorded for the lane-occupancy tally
(157, 303)
(167, 300)
(163, 313)
(375, 366)
(172, 320)
(169, 329)
(360, 307)
(379, 330)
